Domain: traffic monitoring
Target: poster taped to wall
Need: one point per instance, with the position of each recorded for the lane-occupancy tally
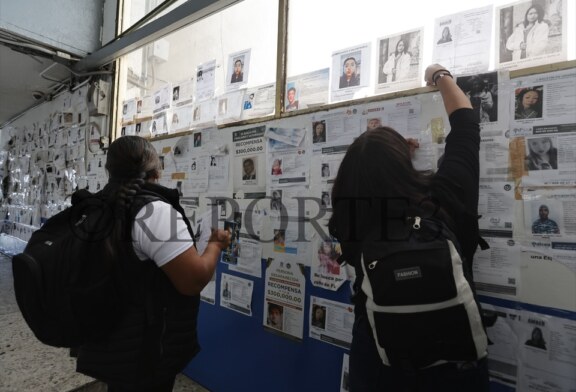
(238, 69)
(462, 41)
(400, 61)
(249, 160)
(307, 90)
(545, 26)
(236, 294)
(182, 93)
(497, 270)
(205, 80)
(351, 69)
(284, 298)
(331, 321)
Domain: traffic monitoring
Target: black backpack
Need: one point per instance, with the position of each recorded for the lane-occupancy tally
(67, 288)
(419, 303)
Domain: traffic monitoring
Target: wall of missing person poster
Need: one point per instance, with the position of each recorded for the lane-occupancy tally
(279, 284)
(274, 181)
(270, 184)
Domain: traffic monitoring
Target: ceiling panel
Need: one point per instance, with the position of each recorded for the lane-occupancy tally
(19, 78)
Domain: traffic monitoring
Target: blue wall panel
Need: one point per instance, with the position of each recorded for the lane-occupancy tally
(238, 354)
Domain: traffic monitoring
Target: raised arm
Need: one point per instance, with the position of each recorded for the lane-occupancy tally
(453, 97)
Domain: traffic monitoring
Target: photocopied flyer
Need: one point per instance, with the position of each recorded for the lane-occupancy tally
(497, 269)
(544, 103)
(350, 71)
(182, 93)
(345, 377)
(205, 80)
(259, 101)
(545, 159)
(462, 41)
(490, 102)
(331, 321)
(249, 260)
(236, 293)
(249, 169)
(289, 166)
(337, 127)
(291, 239)
(308, 90)
(162, 98)
(550, 213)
(502, 354)
(496, 206)
(544, 43)
(547, 353)
(494, 158)
(284, 297)
(400, 61)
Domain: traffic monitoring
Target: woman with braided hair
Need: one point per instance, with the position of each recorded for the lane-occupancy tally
(160, 275)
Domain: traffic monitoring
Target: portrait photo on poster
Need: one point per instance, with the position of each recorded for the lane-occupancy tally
(328, 253)
(446, 36)
(275, 316)
(373, 123)
(238, 69)
(482, 90)
(319, 131)
(276, 200)
(399, 57)
(530, 30)
(541, 153)
(249, 168)
(536, 339)
(350, 71)
(276, 167)
(529, 102)
(544, 217)
(318, 317)
(291, 97)
(325, 170)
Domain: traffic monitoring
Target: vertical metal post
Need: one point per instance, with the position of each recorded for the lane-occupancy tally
(281, 56)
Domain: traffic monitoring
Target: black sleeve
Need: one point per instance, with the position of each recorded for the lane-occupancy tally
(455, 185)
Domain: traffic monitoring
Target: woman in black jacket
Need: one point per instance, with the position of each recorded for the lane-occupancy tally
(375, 187)
(159, 272)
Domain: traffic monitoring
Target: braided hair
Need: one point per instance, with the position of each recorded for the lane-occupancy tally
(131, 161)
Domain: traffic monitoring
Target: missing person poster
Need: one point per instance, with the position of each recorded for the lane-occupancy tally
(284, 298)
(331, 321)
(249, 169)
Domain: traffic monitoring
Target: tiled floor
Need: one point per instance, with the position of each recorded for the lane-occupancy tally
(28, 365)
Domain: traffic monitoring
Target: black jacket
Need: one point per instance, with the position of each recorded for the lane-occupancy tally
(157, 337)
(455, 188)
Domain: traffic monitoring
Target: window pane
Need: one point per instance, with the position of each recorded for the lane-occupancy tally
(323, 37)
(134, 10)
(173, 60)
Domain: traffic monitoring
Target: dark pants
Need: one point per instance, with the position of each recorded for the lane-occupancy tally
(164, 386)
(369, 374)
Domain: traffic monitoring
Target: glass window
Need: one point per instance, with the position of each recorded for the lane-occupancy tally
(134, 10)
(363, 34)
(174, 61)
